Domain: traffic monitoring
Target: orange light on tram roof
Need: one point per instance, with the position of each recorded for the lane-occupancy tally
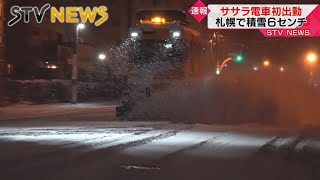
(158, 20)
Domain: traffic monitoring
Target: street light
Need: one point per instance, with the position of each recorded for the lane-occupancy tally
(74, 77)
(218, 71)
(238, 59)
(312, 58)
(102, 56)
(282, 69)
(266, 63)
(81, 26)
(224, 63)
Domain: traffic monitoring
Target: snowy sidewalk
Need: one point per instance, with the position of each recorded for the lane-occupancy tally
(19, 111)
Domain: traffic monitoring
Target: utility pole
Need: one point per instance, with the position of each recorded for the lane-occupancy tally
(217, 47)
(217, 34)
(74, 78)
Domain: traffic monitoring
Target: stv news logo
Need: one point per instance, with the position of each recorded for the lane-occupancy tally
(63, 14)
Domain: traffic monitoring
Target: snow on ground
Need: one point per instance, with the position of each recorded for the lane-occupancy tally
(176, 150)
(80, 142)
(156, 141)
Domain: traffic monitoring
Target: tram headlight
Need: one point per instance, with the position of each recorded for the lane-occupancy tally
(134, 34)
(52, 66)
(176, 34)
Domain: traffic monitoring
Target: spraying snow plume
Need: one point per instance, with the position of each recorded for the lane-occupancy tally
(235, 98)
(143, 76)
(140, 67)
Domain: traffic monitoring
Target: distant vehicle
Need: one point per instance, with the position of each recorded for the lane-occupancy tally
(162, 35)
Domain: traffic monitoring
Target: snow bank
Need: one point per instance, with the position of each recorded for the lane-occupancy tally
(53, 91)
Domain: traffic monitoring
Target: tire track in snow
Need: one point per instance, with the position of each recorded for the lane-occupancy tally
(146, 140)
(192, 147)
(140, 142)
(269, 145)
(282, 145)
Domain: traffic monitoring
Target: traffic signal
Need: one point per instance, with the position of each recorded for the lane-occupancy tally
(239, 58)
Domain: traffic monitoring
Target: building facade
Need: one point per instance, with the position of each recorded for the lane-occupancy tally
(36, 50)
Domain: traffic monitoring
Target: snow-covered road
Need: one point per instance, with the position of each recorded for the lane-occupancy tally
(146, 150)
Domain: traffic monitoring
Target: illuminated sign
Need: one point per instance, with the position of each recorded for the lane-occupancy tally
(95, 15)
(273, 20)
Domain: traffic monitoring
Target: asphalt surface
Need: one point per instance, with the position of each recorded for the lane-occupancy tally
(63, 147)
